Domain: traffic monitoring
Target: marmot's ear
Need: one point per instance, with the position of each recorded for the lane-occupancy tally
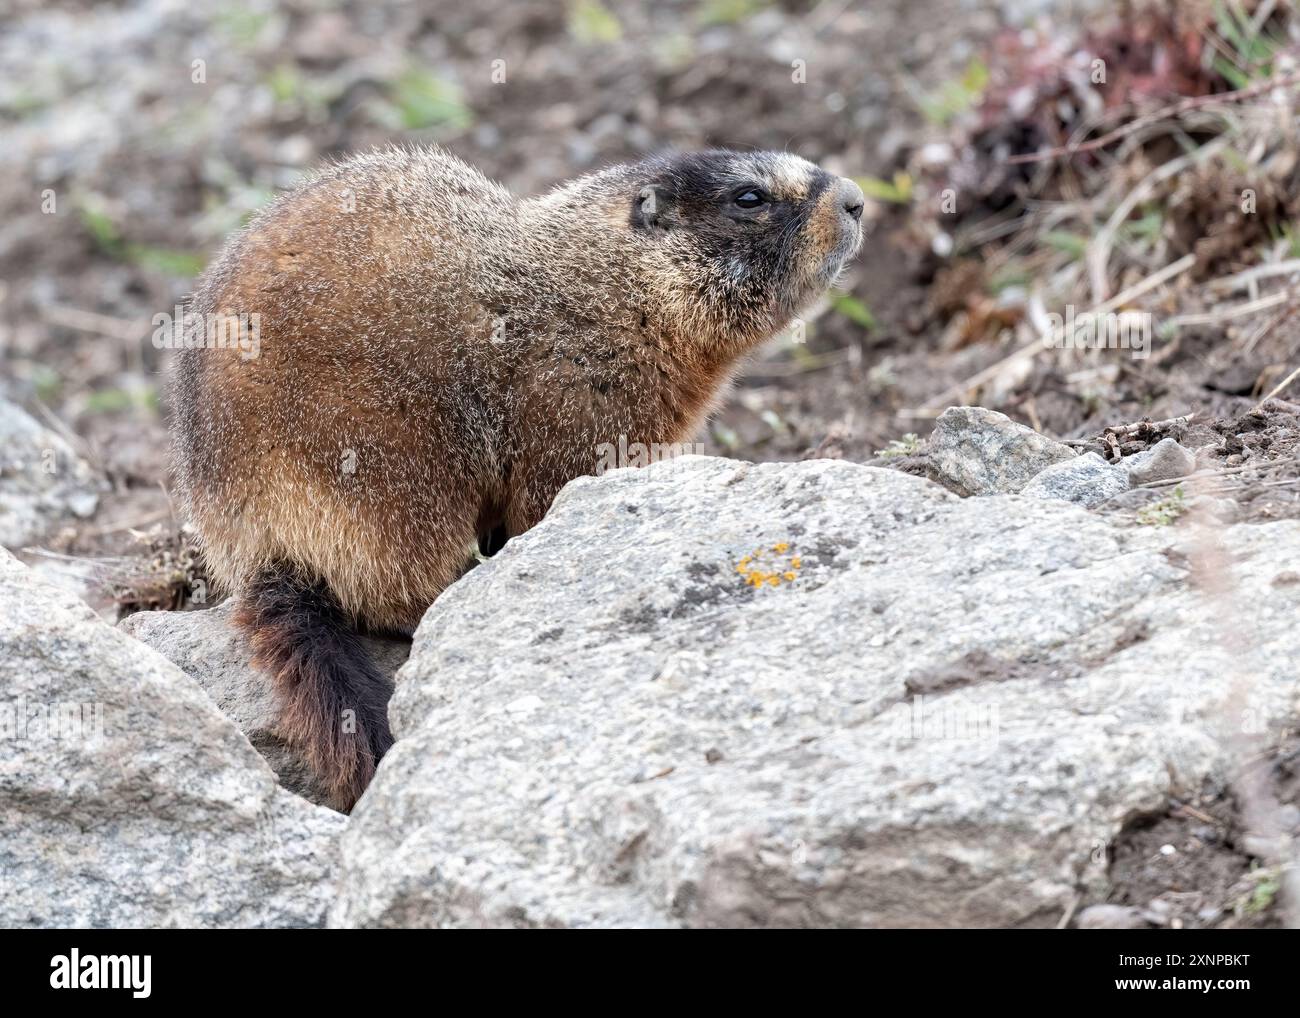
(646, 212)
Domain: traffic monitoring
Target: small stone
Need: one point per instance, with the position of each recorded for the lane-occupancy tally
(1263, 847)
(1110, 917)
(1086, 480)
(1162, 462)
(1137, 498)
(974, 451)
(42, 481)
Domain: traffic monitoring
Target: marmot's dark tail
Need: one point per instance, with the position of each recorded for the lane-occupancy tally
(334, 701)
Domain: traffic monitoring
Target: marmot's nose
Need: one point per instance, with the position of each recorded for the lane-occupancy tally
(851, 198)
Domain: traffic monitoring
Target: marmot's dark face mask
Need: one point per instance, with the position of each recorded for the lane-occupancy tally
(761, 234)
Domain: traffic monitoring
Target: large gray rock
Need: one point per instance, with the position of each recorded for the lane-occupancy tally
(127, 799)
(207, 647)
(634, 716)
(974, 451)
(42, 481)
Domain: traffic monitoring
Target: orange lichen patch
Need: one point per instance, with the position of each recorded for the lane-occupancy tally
(769, 567)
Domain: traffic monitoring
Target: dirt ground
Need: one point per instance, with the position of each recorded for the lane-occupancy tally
(150, 170)
(1196, 866)
(155, 128)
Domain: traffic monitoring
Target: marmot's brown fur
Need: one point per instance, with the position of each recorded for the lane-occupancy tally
(433, 358)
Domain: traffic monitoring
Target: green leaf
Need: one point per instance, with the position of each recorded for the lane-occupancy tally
(99, 224)
(975, 78)
(957, 96)
(908, 445)
(1164, 512)
(241, 26)
(114, 401)
(1235, 77)
(854, 310)
(897, 191)
(424, 100)
(727, 12)
(185, 264)
(285, 83)
(1071, 243)
(591, 22)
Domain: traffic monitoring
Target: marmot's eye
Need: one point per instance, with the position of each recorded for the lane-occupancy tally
(752, 198)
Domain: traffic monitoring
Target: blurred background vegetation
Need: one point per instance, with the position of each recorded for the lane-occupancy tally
(138, 134)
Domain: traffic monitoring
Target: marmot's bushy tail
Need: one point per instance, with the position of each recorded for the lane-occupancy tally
(334, 701)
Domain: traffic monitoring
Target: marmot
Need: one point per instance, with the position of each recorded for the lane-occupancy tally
(433, 358)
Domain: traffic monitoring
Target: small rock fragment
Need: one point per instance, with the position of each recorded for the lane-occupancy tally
(42, 481)
(1162, 462)
(1086, 480)
(1262, 846)
(974, 451)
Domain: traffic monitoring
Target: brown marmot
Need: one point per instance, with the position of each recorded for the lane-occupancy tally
(426, 359)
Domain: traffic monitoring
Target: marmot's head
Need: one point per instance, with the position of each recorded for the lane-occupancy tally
(740, 241)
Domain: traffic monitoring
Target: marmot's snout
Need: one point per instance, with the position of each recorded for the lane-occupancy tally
(837, 217)
(851, 199)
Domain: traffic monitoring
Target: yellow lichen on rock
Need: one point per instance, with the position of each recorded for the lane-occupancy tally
(770, 567)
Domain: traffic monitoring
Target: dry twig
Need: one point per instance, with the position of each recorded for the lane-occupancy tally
(1172, 110)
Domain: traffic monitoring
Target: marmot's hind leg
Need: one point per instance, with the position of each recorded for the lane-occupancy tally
(334, 701)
